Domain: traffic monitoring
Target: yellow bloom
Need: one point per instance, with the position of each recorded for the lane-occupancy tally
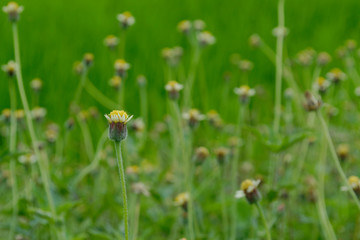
(118, 116)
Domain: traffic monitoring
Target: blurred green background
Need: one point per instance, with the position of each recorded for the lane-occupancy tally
(54, 34)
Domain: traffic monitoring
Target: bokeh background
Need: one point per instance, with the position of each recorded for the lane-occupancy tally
(54, 34)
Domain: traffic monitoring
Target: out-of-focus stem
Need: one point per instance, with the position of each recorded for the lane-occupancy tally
(262, 215)
(100, 97)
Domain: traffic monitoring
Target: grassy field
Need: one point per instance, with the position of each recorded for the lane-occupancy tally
(300, 167)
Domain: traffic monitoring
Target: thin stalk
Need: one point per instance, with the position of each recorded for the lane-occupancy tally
(144, 113)
(81, 85)
(12, 149)
(279, 68)
(262, 215)
(223, 201)
(336, 159)
(42, 158)
(100, 97)
(120, 164)
(122, 44)
(87, 138)
(191, 77)
(137, 215)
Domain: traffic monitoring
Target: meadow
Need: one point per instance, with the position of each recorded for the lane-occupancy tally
(179, 120)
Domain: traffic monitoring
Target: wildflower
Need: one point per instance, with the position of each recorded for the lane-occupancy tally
(172, 56)
(341, 52)
(19, 114)
(173, 88)
(323, 59)
(115, 82)
(182, 200)
(343, 151)
(141, 80)
(205, 38)
(336, 75)
(255, 41)
(138, 125)
(93, 112)
(117, 125)
(184, 26)
(289, 93)
(193, 116)
(9, 68)
(121, 67)
(244, 92)
(214, 119)
(140, 189)
(52, 133)
(111, 42)
(38, 114)
(199, 25)
(126, 19)
(79, 68)
(201, 153)
(354, 183)
(280, 32)
(306, 57)
(5, 115)
(221, 154)
(133, 170)
(245, 65)
(311, 104)
(13, 10)
(331, 111)
(36, 85)
(88, 59)
(246, 167)
(321, 85)
(350, 45)
(83, 115)
(69, 124)
(249, 189)
(27, 159)
(310, 183)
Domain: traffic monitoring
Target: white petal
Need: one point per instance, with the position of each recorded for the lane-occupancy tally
(239, 194)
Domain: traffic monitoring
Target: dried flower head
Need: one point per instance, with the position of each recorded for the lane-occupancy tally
(78, 68)
(126, 19)
(311, 103)
(9, 68)
(350, 45)
(121, 67)
(5, 115)
(205, 38)
(140, 189)
(173, 88)
(343, 151)
(141, 80)
(249, 189)
(184, 26)
(13, 10)
(138, 125)
(255, 41)
(321, 85)
(354, 183)
(111, 42)
(323, 59)
(221, 154)
(336, 75)
(244, 92)
(199, 25)
(115, 82)
(117, 125)
(88, 59)
(36, 85)
(52, 132)
(193, 117)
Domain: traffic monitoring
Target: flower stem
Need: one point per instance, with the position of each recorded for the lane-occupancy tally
(136, 222)
(262, 215)
(12, 148)
(100, 97)
(87, 138)
(336, 159)
(279, 68)
(120, 164)
(81, 85)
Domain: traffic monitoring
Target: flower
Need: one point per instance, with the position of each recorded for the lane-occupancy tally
(184, 26)
(115, 82)
(133, 170)
(306, 57)
(342, 151)
(138, 125)
(323, 59)
(126, 19)
(214, 119)
(205, 38)
(173, 88)
(52, 132)
(111, 42)
(245, 65)
(182, 200)
(117, 125)
(336, 75)
(5, 115)
(280, 32)
(249, 189)
(255, 41)
(201, 153)
(199, 25)
(36, 85)
(88, 59)
(354, 183)
(172, 56)
(321, 85)
(38, 114)
(141, 80)
(193, 116)
(311, 103)
(244, 92)
(13, 10)
(27, 159)
(121, 67)
(140, 189)
(19, 114)
(9, 68)
(221, 154)
(350, 45)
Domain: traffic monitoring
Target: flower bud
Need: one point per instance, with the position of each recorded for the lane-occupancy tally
(311, 103)
(13, 10)
(117, 125)
(9, 68)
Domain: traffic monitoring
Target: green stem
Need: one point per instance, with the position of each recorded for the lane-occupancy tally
(81, 85)
(144, 113)
(191, 77)
(100, 97)
(120, 164)
(12, 149)
(87, 138)
(137, 215)
(279, 68)
(336, 159)
(262, 215)
(223, 201)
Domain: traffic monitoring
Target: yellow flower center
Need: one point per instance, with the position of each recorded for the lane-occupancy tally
(246, 184)
(127, 14)
(321, 81)
(172, 83)
(354, 180)
(118, 116)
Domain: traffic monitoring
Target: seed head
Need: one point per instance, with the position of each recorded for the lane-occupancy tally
(255, 41)
(336, 75)
(36, 85)
(126, 19)
(115, 82)
(117, 125)
(311, 103)
(199, 25)
(13, 10)
(323, 59)
(184, 27)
